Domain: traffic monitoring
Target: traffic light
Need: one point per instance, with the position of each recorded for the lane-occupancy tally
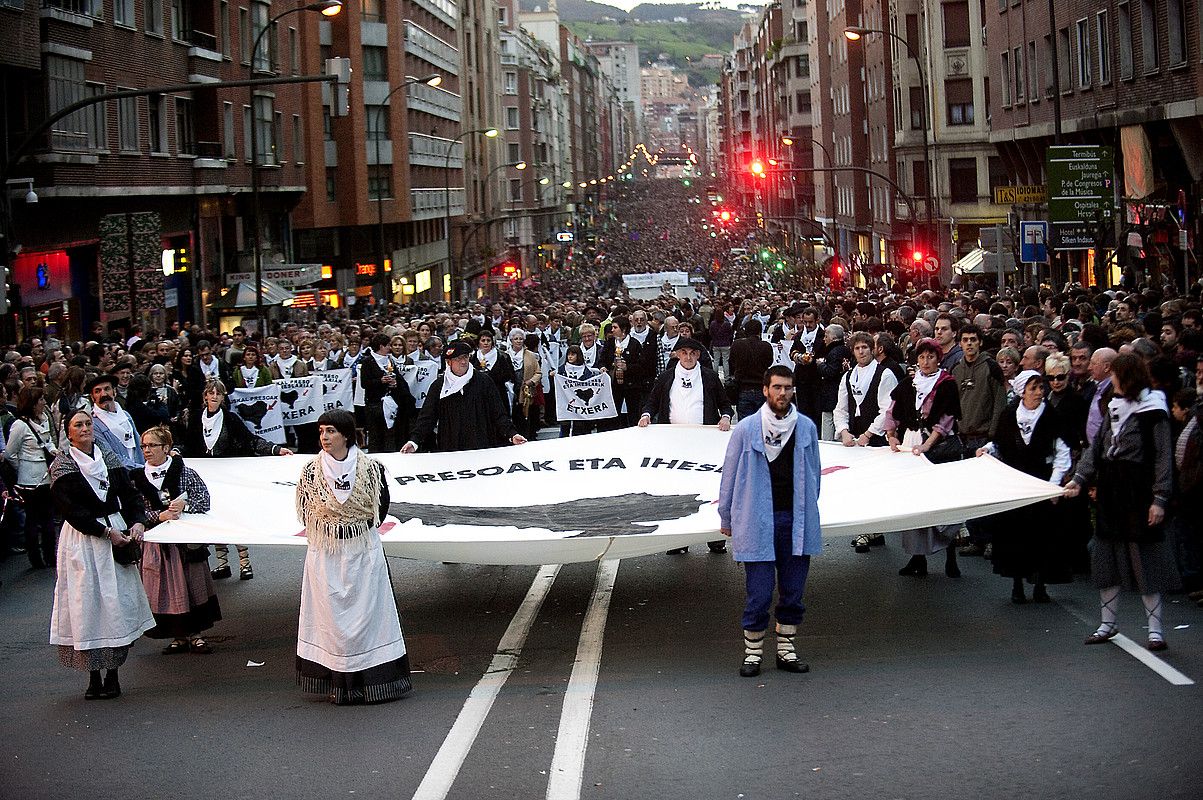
(918, 257)
(765, 254)
(181, 259)
(757, 168)
(725, 216)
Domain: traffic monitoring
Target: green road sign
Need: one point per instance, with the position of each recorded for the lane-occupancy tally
(1081, 193)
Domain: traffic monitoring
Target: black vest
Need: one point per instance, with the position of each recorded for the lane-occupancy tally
(1036, 457)
(781, 476)
(860, 420)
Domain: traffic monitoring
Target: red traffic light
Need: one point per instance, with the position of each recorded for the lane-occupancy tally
(757, 168)
(725, 216)
(918, 257)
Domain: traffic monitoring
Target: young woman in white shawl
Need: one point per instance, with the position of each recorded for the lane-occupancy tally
(349, 642)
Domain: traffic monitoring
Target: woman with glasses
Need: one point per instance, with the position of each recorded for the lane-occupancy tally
(1071, 516)
(175, 576)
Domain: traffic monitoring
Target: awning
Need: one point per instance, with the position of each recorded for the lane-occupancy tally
(983, 262)
(242, 296)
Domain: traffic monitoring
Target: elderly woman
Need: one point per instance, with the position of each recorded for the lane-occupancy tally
(99, 605)
(489, 360)
(1130, 465)
(1028, 544)
(349, 642)
(922, 418)
(527, 384)
(213, 433)
(176, 576)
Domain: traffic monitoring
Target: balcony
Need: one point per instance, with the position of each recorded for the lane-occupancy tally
(431, 151)
(430, 48)
(431, 203)
(75, 12)
(433, 100)
(444, 11)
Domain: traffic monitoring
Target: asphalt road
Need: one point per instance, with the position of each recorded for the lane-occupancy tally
(919, 688)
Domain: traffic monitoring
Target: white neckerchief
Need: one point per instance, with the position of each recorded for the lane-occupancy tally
(156, 474)
(211, 427)
(574, 371)
(590, 354)
(385, 362)
(790, 331)
(1121, 410)
(640, 337)
(808, 338)
(250, 376)
(685, 400)
(340, 475)
(1026, 418)
(667, 344)
(334, 355)
(453, 383)
(212, 369)
(487, 358)
(286, 367)
(923, 387)
(622, 345)
(861, 378)
(94, 470)
(777, 432)
(516, 359)
(118, 423)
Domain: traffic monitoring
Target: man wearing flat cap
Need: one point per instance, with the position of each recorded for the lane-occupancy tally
(464, 406)
(112, 425)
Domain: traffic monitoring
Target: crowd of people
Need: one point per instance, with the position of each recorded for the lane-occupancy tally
(1092, 389)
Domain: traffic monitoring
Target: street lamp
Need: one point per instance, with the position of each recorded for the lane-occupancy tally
(489, 133)
(432, 81)
(855, 33)
(327, 8)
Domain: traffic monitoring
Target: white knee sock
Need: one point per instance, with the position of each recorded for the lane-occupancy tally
(785, 642)
(753, 646)
(1153, 609)
(1108, 605)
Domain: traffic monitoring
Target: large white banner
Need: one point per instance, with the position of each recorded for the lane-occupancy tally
(336, 389)
(300, 399)
(260, 410)
(419, 377)
(654, 280)
(625, 493)
(589, 399)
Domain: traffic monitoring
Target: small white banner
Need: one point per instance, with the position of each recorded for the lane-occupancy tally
(419, 377)
(260, 410)
(584, 400)
(299, 399)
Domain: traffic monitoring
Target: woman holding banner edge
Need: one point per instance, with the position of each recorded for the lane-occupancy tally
(213, 433)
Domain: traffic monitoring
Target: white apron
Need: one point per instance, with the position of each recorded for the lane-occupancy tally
(349, 619)
(97, 602)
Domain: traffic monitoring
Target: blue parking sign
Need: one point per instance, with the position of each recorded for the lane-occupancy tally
(1033, 242)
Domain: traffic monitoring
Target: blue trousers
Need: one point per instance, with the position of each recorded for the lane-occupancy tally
(787, 574)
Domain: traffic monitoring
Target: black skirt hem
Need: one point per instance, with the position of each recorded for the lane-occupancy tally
(182, 626)
(379, 684)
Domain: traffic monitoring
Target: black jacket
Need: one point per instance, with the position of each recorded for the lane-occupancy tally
(471, 419)
(235, 439)
(715, 404)
(640, 358)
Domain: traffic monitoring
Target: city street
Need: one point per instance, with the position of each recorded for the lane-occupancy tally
(918, 688)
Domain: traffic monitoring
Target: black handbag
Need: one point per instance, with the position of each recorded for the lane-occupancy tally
(126, 554)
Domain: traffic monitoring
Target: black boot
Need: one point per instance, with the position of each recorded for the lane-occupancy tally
(95, 688)
(1017, 595)
(917, 566)
(950, 563)
(112, 686)
(1040, 594)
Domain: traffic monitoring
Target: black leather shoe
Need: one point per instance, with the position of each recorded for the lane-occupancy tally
(749, 669)
(112, 686)
(917, 567)
(220, 572)
(1018, 598)
(1040, 595)
(717, 548)
(95, 689)
(246, 573)
(951, 569)
(677, 551)
(792, 666)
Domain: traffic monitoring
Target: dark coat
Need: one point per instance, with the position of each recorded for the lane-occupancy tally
(472, 419)
(234, 440)
(502, 373)
(79, 505)
(640, 358)
(830, 372)
(715, 404)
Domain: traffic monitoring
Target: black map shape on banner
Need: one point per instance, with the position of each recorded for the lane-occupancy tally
(252, 412)
(289, 396)
(584, 394)
(592, 516)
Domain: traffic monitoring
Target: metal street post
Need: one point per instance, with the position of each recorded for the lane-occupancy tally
(489, 133)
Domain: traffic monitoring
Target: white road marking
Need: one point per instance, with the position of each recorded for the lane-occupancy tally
(568, 762)
(1141, 654)
(454, 751)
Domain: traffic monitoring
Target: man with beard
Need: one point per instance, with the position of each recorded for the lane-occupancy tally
(112, 426)
(667, 344)
(768, 506)
(688, 394)
(631, 367)
(463, 405)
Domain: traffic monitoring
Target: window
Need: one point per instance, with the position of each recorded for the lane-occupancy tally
(244, 35)
(278, 141)
(1151, 56)
(227, 131)
(327, 126)
(958, 95)
(185, 136)
(66, 86)
(380, 183)
(1064, 61)
(1017, 58)
(515, 190)
(123, 12)
(1033, 74)
(294, 51)
(224, 38)
(1005, 70)
(1176, 22)
(511, 118)
(1124, 46)
(127, 124)
(503, 16)
(372, 10)
(513, 152)
(330, 186)
(264, 53)
(917, 103)
(919, 177)
(511, 82)
(379, 123)
(1050, 74)
(181, 20)
(375, 63)
(246, 133)
(1085, 59)
(157, 117)
(1102, 28)
(912, 32)
(154, 16)
(962, 180)
(265, 144)
(956, 24)
(997, 172)
(298, 140)
(98, 119)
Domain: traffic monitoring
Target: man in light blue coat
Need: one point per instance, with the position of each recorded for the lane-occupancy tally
(112, 425)
(774, 533)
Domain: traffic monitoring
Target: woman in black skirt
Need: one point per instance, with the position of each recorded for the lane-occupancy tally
(1130, 464)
